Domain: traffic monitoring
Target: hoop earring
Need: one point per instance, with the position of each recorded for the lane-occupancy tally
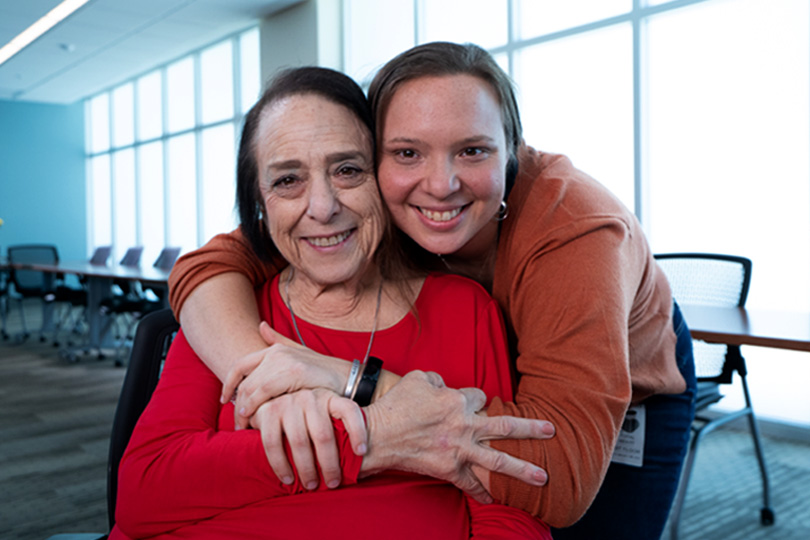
(503, 212)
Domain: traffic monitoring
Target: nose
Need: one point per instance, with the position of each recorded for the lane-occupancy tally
(441, 179)
(323, 200)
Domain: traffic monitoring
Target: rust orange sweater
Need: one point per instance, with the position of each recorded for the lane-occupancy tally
(589, 316)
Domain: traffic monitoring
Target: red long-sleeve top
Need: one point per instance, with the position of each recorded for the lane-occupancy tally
(187, 474)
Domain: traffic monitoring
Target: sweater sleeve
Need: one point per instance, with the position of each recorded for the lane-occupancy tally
(491, 521)
(570, 307)
(179, 469)
(223, 253)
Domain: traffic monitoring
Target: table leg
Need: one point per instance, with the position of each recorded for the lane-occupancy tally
(98, 288)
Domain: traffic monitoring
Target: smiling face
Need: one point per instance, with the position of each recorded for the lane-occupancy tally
(442, 163)
(316, 177)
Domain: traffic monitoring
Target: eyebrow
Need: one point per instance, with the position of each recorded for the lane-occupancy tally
(467, 140)
(330, 158)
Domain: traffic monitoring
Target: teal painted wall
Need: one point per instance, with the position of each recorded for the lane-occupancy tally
(42, 177)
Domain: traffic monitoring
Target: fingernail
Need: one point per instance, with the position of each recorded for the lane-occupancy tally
(487, 500)
(548, 429)
(332, 484)
(361, 449)
(287, 480)
(312, 485)
(540, 477)
(242, 411)
(222, 400)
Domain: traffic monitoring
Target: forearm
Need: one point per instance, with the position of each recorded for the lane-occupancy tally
(183, 478)
(179, 468)
(220, 319)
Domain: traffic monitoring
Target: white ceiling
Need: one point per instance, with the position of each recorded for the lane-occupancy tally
(109, 41)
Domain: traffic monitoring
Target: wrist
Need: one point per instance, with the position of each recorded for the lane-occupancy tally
(384, 384)
(378, 457)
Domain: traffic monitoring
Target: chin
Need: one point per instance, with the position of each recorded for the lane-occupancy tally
(440, 246)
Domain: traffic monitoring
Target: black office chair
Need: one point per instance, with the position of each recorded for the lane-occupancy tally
(74, 300)
(722, 281)
(31, 284)
(140, 301)
(153, 337)
(123, 290)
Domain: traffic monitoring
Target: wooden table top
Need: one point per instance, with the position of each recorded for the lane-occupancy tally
(740, 326)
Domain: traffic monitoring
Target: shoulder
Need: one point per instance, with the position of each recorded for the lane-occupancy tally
(553, 201)
(551, 182)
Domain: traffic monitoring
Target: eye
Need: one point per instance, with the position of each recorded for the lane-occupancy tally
(473, 151)
(405, 154)
(349, 171)
(284, 182)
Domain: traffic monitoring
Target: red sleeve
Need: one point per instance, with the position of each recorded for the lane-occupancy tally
(178, 469)
(493, 376)
(223, 253)
(497, 521)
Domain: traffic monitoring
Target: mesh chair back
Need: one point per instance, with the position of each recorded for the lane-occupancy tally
(31, 282)
(100, 255)
(167, 258)
(709, 280)
(132, 257)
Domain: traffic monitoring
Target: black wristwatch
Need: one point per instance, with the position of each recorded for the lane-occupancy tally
(368, 381)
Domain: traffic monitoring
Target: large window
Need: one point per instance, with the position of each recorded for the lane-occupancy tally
(696, 113)
(161, 149)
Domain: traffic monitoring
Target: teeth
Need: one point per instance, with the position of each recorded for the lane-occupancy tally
(330, 240)
(447, 215)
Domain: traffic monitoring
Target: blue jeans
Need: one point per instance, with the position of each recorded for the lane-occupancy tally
(634, 502)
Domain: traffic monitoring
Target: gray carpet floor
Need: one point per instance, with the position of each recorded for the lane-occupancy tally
(56, 417)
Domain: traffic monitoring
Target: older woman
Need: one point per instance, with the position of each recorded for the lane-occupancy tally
(308, 196)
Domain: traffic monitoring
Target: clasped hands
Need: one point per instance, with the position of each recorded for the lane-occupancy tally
(415, 423)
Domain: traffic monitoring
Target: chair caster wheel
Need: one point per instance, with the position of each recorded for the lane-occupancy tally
(766, 516)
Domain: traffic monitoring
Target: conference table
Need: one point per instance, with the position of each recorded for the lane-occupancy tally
(741, 326)
(100, 280)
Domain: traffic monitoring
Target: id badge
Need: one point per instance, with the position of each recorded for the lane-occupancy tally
(630, 445)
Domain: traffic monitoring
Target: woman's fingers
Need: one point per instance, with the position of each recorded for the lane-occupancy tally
(349, 413)
(240, 369)
(272, 440)
(296, 430)
(304, 418)
(511, 427)
(500, 462)
(322, 435)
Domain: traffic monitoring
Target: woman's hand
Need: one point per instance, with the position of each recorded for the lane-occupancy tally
(422, 426)
(305, 419)
(282, 368)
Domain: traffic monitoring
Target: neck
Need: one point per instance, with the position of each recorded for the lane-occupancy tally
(476, 259)
(348, 305)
